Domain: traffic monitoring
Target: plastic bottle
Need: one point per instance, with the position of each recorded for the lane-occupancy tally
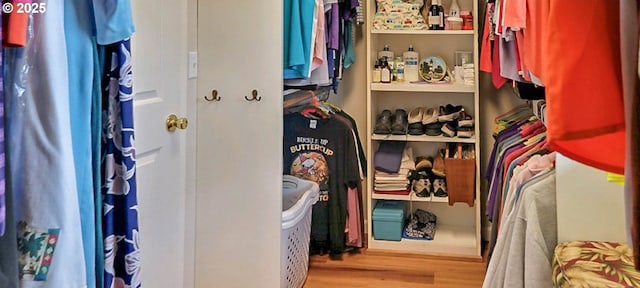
(399, 71)
(441, 12)
(386, 54)
(454, 9)
(411, 70)
(385, 74)
(375, 74)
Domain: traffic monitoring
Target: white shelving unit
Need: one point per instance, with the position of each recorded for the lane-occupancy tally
(458, 227)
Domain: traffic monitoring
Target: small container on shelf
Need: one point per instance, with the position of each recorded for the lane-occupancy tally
(454, 23)
(388, 220)
(467, 20)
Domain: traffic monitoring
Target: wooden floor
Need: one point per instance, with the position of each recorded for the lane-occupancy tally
(389, 270)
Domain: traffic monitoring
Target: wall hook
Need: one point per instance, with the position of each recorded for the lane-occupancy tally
(214, 96)
(254, 97)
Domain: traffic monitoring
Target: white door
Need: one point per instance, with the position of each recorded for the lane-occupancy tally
(159, 53)
(239, 145)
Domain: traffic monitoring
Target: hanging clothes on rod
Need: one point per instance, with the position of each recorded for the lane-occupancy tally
(321, 145)
(318, 41)
(64, 215)
(521, 202)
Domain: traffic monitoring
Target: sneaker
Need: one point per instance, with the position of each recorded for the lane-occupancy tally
(430, 116)
(415, 121)
(440, 187)
(449, 113)
(421, 183)
(465, 120)
(450, 128)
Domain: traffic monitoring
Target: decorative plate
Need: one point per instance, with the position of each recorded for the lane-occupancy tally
(432, 69)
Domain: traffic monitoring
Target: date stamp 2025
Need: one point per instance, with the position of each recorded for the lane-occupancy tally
(24, 8)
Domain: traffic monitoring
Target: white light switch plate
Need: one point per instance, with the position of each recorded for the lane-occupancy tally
(193, 65)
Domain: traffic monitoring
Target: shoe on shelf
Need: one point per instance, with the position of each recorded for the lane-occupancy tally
(449, 113)
(383, 123)
(433, 129)
(465, 120)
(438, 164)
(466, 132)
(424, 163)
(400, 122)
(468, 152)
(421, 182)
(439, 187)
(430, 116)
(450, 129)
(415, 121)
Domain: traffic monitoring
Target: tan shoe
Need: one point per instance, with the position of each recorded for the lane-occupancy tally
(438, 164)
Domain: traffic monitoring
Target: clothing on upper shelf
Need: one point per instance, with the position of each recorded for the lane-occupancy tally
(326, 150)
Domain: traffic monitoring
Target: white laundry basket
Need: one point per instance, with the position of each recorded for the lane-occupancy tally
(298, 197)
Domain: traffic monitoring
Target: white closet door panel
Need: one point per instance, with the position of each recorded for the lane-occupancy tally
(159, 87)
(239, 144)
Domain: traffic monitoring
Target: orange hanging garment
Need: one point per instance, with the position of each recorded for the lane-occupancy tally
(582, 75)
(14, 25)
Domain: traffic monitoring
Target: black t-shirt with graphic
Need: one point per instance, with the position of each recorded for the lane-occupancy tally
(323, 151)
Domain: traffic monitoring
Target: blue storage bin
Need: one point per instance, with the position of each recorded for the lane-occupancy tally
(388, 219)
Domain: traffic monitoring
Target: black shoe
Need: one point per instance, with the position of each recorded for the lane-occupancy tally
(450, 129)
(449, 113)
(433, 129)
(383, 124)
(400, 123)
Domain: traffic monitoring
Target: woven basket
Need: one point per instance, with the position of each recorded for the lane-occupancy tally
(461, 179)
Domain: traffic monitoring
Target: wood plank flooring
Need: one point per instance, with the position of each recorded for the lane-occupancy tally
(390, 270)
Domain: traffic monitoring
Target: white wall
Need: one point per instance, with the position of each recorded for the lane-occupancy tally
(589, 207)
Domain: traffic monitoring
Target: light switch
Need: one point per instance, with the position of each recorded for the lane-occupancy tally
(193, 65)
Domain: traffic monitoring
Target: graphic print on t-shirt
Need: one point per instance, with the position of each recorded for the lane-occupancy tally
(312, 166)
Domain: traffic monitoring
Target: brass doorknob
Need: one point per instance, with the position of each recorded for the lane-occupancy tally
(173, 123)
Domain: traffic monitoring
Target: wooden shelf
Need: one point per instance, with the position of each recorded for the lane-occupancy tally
(423, 87)
(422, 138)
(423, 32)
(448, 239)
(410, 197)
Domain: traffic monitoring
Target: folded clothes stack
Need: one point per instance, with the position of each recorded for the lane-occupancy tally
(393, 181)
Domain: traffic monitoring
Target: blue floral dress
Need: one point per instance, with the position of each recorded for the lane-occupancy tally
(120, 218)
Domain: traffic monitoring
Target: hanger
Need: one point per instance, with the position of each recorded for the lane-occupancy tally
(314, 110)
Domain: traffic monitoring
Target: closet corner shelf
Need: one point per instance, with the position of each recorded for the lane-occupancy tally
(411, 197)
(412, 87)
(449, 239)
(422, 138)
(423, 32)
